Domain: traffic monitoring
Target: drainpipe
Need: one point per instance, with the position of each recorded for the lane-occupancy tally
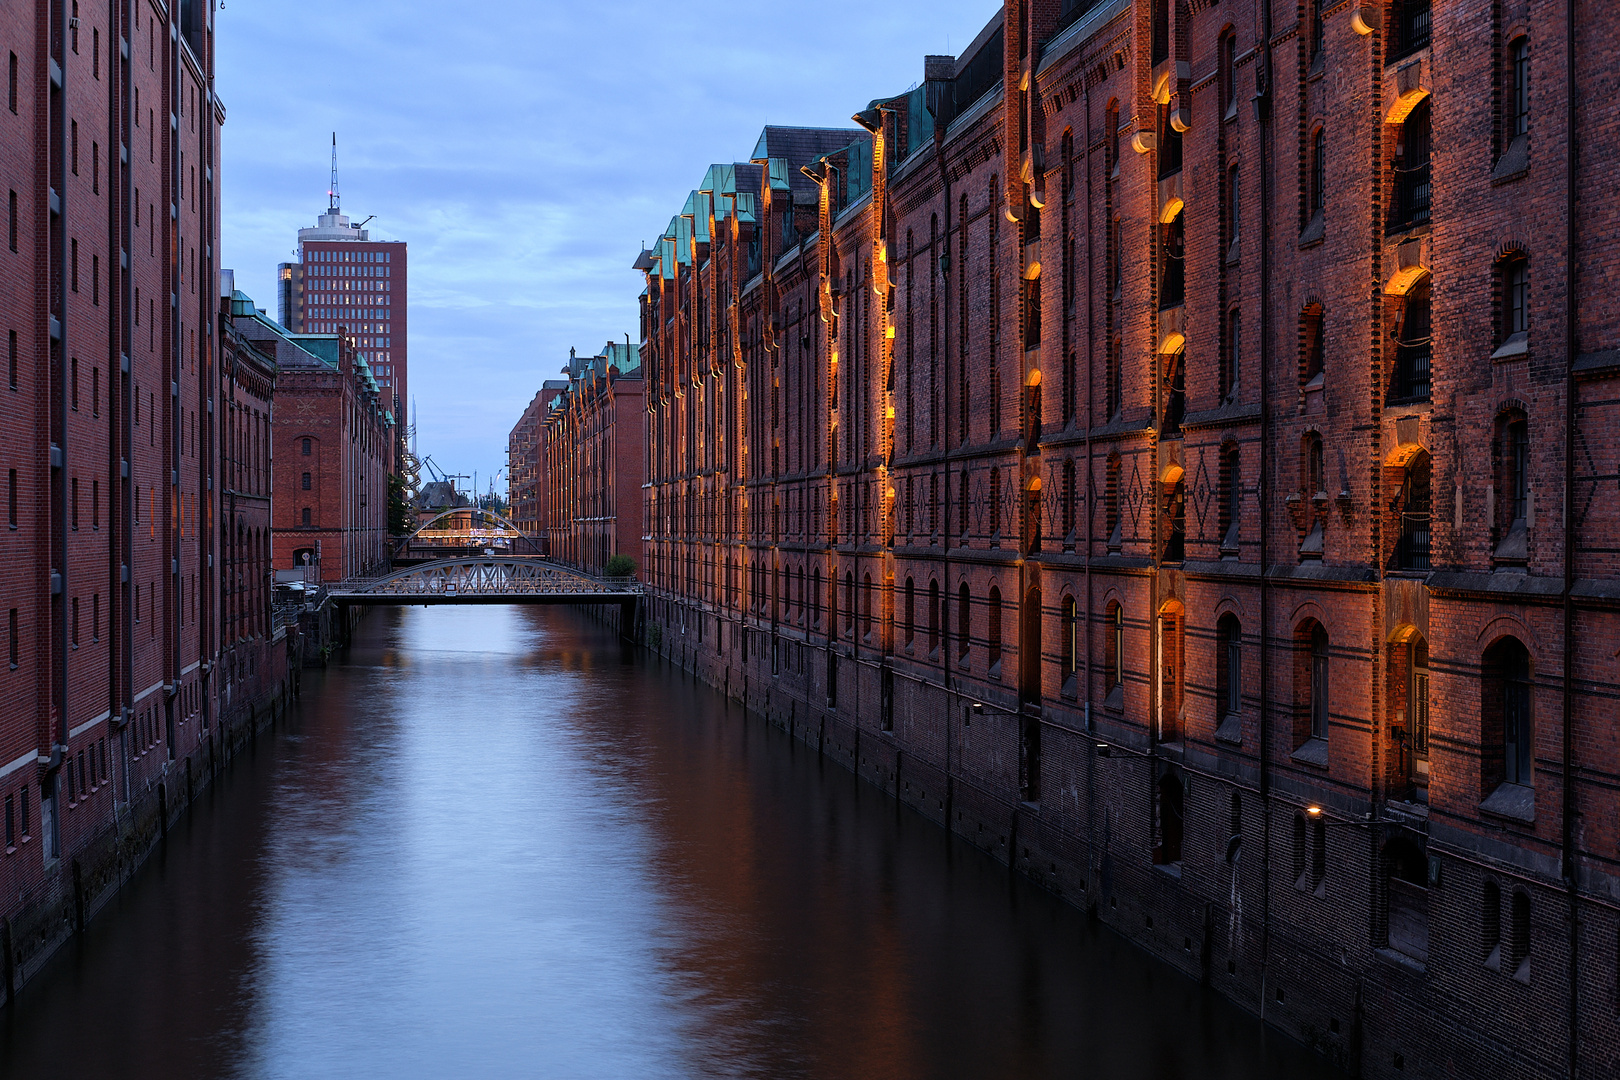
(1262, 112)
(1571, 328)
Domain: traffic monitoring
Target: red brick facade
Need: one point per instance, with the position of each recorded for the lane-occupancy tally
(1147, 448)
(110, 425)
(526, 470)
(333, 444)
(594, 491)
(252, 662)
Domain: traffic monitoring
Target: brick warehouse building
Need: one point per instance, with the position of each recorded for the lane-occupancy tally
(334, 438)
(1079, 448)
(594, 492)
(119, 691)
(526, 469)
(247, 380)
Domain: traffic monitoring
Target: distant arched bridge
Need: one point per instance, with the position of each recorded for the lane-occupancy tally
(466, 531)
(488, 580)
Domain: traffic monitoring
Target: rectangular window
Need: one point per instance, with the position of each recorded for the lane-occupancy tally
(11, 500)
(11, 362)
(12, 83)
(95, 168)
(73, 265)
(1319, 690)
(73, 146)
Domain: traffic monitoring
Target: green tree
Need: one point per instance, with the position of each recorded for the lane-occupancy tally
(399, 507)
(620, 566)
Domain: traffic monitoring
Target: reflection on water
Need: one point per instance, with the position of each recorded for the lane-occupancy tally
(492, 842)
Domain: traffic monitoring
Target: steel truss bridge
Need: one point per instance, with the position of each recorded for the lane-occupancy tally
(487, 580)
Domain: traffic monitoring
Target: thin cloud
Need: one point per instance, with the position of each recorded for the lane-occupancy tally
(524, 152)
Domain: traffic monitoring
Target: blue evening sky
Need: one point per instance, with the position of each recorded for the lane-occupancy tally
(525, 150)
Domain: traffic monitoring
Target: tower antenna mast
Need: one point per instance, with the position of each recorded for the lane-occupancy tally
(335, 204)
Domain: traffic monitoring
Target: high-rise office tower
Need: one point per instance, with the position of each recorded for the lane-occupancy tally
(346, 282)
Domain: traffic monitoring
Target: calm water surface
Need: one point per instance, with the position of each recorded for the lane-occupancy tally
(493, 843)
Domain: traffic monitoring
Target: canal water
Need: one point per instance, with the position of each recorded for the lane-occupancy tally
(491, 842)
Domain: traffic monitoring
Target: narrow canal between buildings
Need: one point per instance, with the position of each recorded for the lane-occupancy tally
(491, 842)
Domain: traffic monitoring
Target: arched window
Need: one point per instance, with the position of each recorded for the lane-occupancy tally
(1175, 544)
(1416, 502)
(849, 602)
(1114, 648)
(1512, 487)
(866, 607)
(1318, 853)
(1234, 211)
(1175, 386)
(1229, 88)
(1232, 355)
(1070, 640)
(1173, 264)
(933, 617)
(1228, 669)
(1172, 670)
(1507, 716)
(1413, 193)
(911, 612)
(1490, 924)
(1311, 684)
(1112, 523)
(1414, 346)
(1516, 89)
(1231, 479)
(964, 636)
(1417, 716)
(1519, 936)
(1513, 273)
(993, 656)
(1311, 350)
(1318, 201)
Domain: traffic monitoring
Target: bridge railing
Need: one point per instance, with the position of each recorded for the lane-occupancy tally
(488, 577)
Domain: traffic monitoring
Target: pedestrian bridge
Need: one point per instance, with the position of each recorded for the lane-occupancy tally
(487, 580)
